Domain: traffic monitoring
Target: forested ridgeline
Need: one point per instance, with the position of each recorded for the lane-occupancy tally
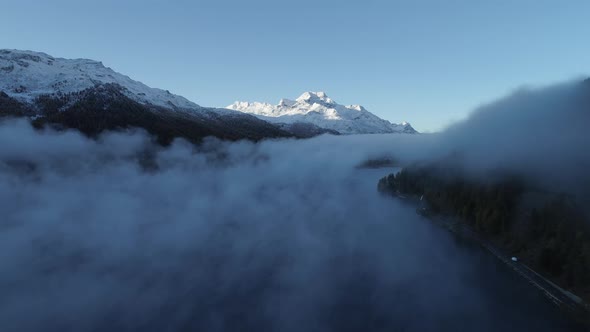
(550, 232)
(106, 107)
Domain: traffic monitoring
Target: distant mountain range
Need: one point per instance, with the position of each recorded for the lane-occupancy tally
(85, 95)
(318, 109)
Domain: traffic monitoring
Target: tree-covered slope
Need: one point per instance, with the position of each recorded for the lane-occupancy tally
(549, 231)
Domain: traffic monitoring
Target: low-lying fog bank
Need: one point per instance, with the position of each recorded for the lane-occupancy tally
(120, 234)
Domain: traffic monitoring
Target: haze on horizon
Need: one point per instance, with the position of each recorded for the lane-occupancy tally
(426, 62)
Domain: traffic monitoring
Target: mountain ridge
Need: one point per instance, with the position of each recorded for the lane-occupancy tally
(29, 74)
(320, 110)
(50, 90)
(85, 95)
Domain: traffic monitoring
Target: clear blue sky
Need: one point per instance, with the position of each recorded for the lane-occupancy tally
(426, 62)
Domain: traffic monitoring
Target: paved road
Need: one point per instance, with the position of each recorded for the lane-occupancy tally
(553, 292)
(560, 297)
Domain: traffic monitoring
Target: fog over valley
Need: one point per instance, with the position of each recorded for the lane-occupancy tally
(294, 166)
(119, 233)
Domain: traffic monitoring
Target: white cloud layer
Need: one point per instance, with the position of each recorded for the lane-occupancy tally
(118, 234)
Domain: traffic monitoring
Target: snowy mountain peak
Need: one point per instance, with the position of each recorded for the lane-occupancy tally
(315, 97)
(357, 108)
(318, 109)
(287, 102)
(26, 75)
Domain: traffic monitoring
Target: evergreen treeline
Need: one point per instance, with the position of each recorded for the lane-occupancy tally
(553, 235)
(105, 107)
(11, 107)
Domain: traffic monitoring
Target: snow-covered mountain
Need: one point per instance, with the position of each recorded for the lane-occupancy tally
(26, 75)
(85, 95)
(317, 109)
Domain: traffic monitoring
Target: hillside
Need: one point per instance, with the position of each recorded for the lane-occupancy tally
(85, 95)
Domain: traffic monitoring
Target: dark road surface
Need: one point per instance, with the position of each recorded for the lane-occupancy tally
(563, 299)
